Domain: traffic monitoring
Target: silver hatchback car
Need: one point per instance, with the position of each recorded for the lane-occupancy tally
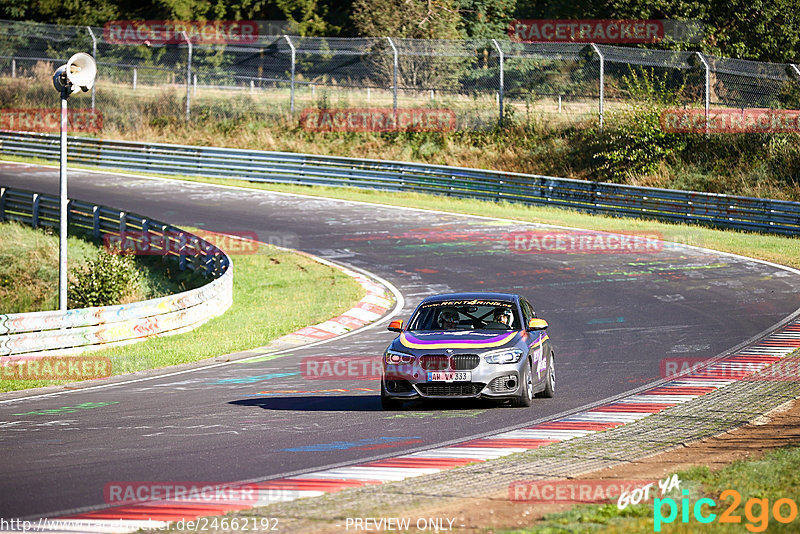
(469, 345)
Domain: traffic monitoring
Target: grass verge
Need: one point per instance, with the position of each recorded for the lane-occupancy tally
(759, 485)
(274, 293)
(29, 269)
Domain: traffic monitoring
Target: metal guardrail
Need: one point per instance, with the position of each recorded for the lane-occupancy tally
(56, 333)
(736, 212)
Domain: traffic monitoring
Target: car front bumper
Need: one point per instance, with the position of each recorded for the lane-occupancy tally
(496, 381)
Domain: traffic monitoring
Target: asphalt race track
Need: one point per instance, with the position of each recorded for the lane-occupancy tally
(613, 318)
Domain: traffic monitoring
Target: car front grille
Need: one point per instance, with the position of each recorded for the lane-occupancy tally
(442, 362)
(464, 362)
(434, 362)
(462, 389)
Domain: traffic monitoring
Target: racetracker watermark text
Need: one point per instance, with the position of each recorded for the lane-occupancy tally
(741, 368)
(49, 120)
(195, 492)
(570, 491)
(730, 121)
(72, 368)
(601, 31)
(566, 242)
(160, 32)
(152, 243)
(339, 367)
(378, 120)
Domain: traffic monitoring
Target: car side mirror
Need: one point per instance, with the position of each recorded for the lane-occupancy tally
(537, 324)
(395, 326)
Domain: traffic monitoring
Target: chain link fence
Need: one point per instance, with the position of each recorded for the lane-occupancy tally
(482, 82)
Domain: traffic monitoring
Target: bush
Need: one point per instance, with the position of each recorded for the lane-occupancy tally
(633, 145)
(103, 281)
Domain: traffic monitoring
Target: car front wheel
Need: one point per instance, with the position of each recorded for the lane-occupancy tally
(526, 388)
(550, 385)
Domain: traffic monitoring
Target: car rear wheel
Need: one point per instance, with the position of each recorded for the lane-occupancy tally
(550, 384)
(387, 403)
(526, 388)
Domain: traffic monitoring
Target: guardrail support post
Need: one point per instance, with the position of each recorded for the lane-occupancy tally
(602, 82)
(188, 77)
(3, 191)
(123, 222)
(35, 211)
(96, 221)
(291, 90)
(500, 98)
(707, 92)
(94, 55)
(182, 251)
(394, 77)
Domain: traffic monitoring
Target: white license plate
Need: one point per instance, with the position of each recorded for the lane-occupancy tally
(449, 376)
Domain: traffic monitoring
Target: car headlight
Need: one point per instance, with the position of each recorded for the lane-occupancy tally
(503, 356)
(396, 358)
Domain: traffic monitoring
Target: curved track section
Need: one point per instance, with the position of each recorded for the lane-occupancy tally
(614, 318)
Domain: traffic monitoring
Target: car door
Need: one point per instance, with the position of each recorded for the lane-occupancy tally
(538, 355)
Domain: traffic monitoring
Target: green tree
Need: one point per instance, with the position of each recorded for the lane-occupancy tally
(416, 19)
(486, 19)
(308, 17)
(422, 65)
(764, 30)
(91, 13)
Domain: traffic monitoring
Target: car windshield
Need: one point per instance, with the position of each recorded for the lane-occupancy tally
(465, 315)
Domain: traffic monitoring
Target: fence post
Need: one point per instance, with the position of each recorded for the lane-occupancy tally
(134, 78)
(94, 55)
(796, 70)
(14, 67)
(291, 97)
(394, 78)
(500, 99)
(188, 78)
(602, 82)
(707, 96)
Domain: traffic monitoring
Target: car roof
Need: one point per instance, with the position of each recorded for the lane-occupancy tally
(471, 296)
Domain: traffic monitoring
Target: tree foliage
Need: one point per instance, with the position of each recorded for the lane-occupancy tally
(415, 19)
(766, 30)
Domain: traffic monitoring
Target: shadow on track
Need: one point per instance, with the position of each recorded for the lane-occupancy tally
(356, 403)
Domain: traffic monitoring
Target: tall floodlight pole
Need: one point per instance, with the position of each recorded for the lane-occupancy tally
(77, 75)
(64, 201)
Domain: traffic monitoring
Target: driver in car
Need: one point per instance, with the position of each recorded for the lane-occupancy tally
(448, 319)
(502, 318)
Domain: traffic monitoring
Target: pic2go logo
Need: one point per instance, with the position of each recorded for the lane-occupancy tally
(756, 511)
